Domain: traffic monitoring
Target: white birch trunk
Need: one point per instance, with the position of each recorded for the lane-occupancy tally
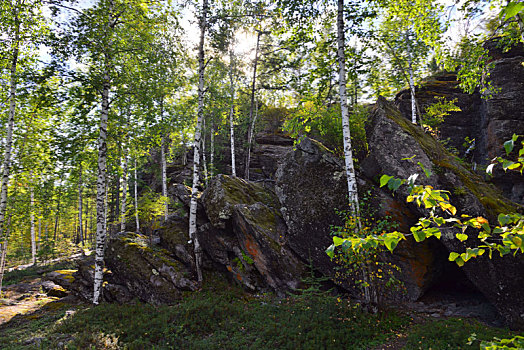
(3, 252)
(39, 233)
(164, 175)
(124, 194)
(6, 166)
(203, 140)
(348, 153)
(101, 191)
(136, 201)
(80, 203)
(196, 144)
(32, 223)
(232, 111)
(251, 119)
(411, 81)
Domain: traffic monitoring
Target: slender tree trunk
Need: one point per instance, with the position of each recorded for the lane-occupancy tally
(57, 215)
(164, 174)
(80, 185)
(196, 144)
(203, 147)
(212, 151)
(136, 201)
(3, 251)
(124, 194)
(101, 186)
(348, 153)
(32, 223)
(164, 163)
(39, 244)
(251, 107)
(6, 167)
(232, 110)
(411, 81)
(86, 218)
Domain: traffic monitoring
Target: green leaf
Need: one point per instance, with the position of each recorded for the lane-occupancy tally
(419, 235)
(427, 172)
(504, 219)
(453, 256)
(507, 164)
(394, 184)
(508, 146)
(338, 241)
(330, 251)
(461, 237)
(512, 9)
(391, 240)
(384, 179)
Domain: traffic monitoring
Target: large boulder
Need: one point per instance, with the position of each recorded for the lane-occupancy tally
(311, 186)
(458, 125)
(148, 272)
(503, 116)
(246, 235)
(392, 138)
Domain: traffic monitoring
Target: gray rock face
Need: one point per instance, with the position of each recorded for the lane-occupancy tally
(490, 120)
(394, 137)
(246, 235)
(310, 185)
(504, 116)
(149, 273)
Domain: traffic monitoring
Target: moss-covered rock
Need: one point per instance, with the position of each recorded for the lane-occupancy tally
(224, 192)
(149, 273)
(246, 235)
(391, 138)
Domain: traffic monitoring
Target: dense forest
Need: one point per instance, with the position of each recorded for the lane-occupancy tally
(255, 140)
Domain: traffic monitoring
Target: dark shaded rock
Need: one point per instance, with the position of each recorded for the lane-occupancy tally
(260, 231)
(149, 273)
(54, 290)
(503, 117)
(458, 124)
(392, 138)
(246, 235)
(174, 236)
(224, 192)
(497, 51)
(311, 185)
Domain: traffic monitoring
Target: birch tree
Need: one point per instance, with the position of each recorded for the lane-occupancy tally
(197, 142)
(104, 37)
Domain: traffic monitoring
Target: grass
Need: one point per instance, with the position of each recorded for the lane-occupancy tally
(218, 317)
(221, 316)
(452, 334)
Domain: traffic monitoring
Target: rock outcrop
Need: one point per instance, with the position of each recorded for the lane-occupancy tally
(392, 138)
(247, 235)
(490, 120)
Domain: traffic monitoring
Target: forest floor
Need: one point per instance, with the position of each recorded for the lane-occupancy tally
(221, 317)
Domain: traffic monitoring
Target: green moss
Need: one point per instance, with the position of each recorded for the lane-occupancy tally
(67, 275)
(241, 191)
(490, 197)
(266, 219)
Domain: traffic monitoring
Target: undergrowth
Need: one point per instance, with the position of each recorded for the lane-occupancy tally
(451, 334)
(16, 276)
(221, 316)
